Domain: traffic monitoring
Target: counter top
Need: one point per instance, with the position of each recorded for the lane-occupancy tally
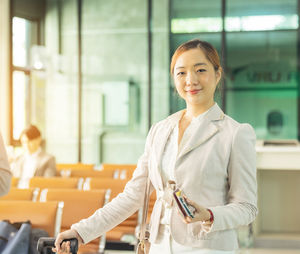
(277, 149)
(278, 157)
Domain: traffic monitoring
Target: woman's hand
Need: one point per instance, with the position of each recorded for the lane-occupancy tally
(64, 248)
(201, 213)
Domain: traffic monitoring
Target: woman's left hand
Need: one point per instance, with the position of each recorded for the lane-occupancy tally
(201, 213)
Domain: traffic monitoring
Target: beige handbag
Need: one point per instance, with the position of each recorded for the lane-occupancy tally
(143, 246)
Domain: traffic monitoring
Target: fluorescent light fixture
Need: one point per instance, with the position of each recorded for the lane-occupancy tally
(261, 23)
(243, 23)
(195, 25)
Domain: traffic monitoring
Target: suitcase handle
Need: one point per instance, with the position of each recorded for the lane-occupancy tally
(48, 243)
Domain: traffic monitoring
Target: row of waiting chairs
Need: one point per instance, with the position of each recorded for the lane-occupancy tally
(117, 174)
(73, 183)
(90, 183)
(122, 231)
(104, 166)
(57, 210)
(88, 170)
(115, 185)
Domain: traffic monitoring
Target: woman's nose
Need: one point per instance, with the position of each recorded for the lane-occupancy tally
(191, 78)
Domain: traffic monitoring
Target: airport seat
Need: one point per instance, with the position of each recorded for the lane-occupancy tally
(123, 231)
(92, 173)
(45, 215)
(116, 186)
(61, 166)
(14, 182)
(56, 182)
(106, 166)
(78, 204)
(125, 171)
(30, 194)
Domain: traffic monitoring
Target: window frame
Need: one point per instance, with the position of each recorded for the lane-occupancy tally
(26, 70)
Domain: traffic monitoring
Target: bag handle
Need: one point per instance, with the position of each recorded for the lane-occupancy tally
(145, 211)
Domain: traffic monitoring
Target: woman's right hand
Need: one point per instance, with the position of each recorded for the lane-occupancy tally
(65, 247)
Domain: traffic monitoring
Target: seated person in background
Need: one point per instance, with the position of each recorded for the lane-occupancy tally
(5, 174)
(34, 162)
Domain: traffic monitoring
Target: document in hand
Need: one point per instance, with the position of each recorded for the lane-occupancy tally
(186, 209)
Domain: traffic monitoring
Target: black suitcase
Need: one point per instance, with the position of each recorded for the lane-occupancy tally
(45, 245)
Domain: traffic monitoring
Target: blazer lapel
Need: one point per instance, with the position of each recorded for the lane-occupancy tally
(162, 138)
(206, 129)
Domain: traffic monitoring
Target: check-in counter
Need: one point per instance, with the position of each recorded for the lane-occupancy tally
(278, 174)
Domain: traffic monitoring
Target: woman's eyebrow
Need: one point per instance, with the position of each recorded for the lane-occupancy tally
(197, 64)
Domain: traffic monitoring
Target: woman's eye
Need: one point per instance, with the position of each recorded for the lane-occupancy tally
(201, 70)
(180, 73)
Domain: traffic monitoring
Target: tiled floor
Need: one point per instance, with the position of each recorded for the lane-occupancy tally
(244, 251)
(269, 251)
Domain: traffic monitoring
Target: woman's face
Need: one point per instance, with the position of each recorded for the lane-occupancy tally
(195, 78)
(30, 146)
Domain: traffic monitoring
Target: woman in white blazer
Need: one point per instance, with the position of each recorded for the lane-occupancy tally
(34, 161)
(210, 156)
(5, 174)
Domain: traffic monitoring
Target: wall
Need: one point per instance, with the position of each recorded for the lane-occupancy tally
(114, 78)
(4, 70)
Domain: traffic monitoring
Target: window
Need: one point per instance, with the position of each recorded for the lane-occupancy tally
(24, 35)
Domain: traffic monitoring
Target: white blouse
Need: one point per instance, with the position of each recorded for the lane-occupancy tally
(170, 155)
(29, 168)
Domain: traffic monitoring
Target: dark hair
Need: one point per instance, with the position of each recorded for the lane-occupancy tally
(209, 51)
(31, 132)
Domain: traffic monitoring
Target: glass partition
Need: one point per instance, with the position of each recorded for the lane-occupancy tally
(262, 75)
(61, 102)
(114, 91)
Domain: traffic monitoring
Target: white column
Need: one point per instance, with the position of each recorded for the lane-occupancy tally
(4, 69)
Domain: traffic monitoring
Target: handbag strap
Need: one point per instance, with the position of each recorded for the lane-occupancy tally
(145, 211)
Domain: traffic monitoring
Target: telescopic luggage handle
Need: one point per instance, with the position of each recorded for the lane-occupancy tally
(45, 244)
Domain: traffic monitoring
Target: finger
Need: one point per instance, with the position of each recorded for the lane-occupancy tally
(185, 220)
(185, 197)
(68, 247)
(192, 220)
(188, 219)
(198, 216)
(57, 243)
(189, 201)
(64, 247)
(181, 215)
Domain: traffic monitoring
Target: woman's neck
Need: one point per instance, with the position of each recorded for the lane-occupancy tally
(196, 109)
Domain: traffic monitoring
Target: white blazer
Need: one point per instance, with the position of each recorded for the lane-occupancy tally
(216, 169)
(5, 174)
(45, 165)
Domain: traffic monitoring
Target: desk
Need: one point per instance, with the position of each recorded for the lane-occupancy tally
(278, 177)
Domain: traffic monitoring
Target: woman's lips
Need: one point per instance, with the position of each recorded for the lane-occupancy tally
(195, 91)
